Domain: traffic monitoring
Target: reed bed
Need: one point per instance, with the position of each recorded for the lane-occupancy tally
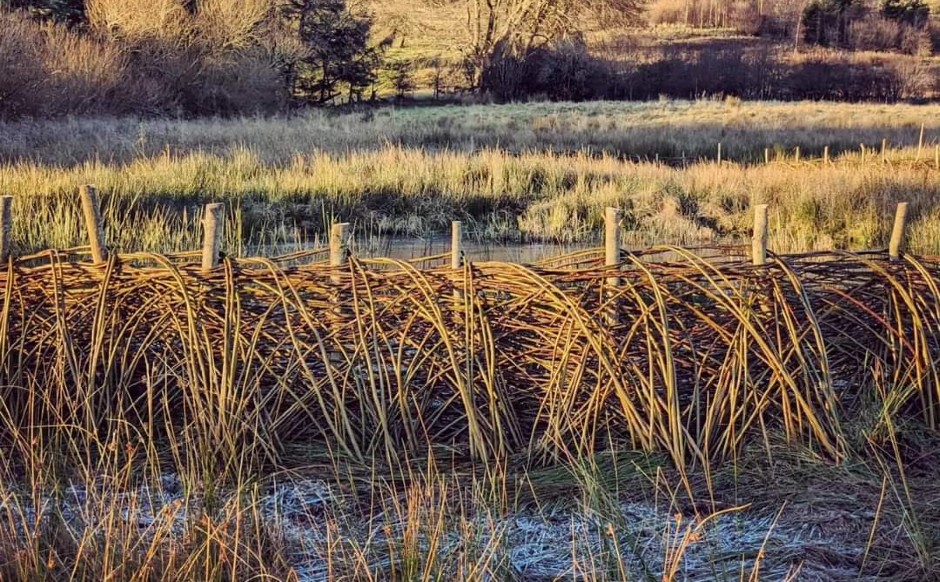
(154, 204)
(229, 370)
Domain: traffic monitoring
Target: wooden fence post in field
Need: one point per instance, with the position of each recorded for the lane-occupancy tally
(797, 155)
(339, 247)
(456, 245)
(759, 240)
(339, 256)
(6, 227)
(936, 156)
(826, 155)
(920, 142)
(212, 236)
(612, 256)
(719, 153)
(862, 147)
(897, 234)
(884, 150)
(91, 208)
(456, 256)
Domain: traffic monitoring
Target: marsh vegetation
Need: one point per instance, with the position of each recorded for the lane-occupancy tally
(513, 173)
(405, 421)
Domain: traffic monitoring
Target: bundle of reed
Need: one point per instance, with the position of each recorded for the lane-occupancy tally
(688, 355)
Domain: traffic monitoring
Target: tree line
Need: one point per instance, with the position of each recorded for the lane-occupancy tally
(196, 57)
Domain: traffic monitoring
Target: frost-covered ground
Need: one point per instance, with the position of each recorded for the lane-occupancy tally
(322, 531)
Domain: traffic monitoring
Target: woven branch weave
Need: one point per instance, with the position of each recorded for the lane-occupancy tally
(495, 359)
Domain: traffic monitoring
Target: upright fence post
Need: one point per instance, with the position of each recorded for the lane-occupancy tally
(456, 257)
(884, 150)
(612, 256)
(826, 155)
(339, 256)
(91, 207)
(759, 240)
(920, 142)
(339, 247)
(897, 234)
(719, 153)
(766, 155)
(936, 156)
(212, 236)
(862, 148)
(456, 244)
(6, 227)
(798, 154)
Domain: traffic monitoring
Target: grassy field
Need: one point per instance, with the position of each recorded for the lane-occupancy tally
(181, 427)
(514, 172)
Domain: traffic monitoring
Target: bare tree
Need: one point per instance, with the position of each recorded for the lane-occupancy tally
(515, 28)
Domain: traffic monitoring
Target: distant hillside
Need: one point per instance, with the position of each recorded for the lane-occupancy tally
(754, 56)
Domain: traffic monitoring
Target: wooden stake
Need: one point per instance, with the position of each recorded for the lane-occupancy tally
(897, 234)
(339, 247)
(826, 155)
(612, 254)
(719, 153)
(6, 227)
(456, 256)
(766, 155)
(91, 208)
(759, 240)
(862, 146)
(798, 154)
(339, 256)
(884, 150)
(920, 142)
(212, 236)
(456, 245)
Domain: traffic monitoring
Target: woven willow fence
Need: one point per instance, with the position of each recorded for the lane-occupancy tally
(665, 351)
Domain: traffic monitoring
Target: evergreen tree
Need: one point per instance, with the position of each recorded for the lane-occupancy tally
(825, 22)
(336, 52)
(66, 11)
(913, 12)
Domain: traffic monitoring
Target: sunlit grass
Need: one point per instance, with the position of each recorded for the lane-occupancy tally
(153, 204)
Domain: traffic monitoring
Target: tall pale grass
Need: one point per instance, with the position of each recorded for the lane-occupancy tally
(668, 129)
(151, 202)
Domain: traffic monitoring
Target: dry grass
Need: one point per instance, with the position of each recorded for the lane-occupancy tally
(456, 437)
(666, 128)
(152, 203)
(737, 423)
(707, 353)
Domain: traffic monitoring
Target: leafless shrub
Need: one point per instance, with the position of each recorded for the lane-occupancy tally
(229, 24)
(136, 20)
(48, 69)
(20, 65)
(876, 33)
